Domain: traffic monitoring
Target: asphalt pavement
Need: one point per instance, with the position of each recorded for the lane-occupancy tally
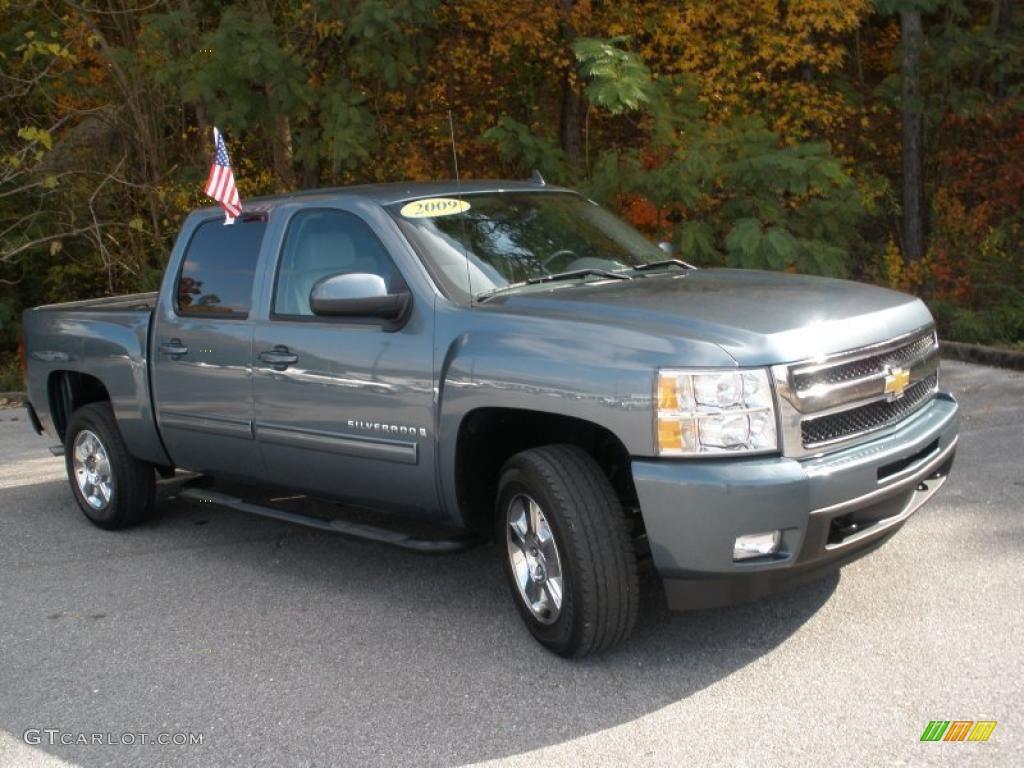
(282, 646)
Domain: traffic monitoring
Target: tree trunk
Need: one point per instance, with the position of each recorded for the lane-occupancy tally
(309, 175)
(1000, 10)
(998, 20)
(201, 150)
(913, 181)
(570, 119)
(281, 145)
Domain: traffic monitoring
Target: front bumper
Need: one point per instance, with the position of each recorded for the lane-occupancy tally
(831, 509)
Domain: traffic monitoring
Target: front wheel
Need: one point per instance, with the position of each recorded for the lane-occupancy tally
(567, 553)
(112, 487)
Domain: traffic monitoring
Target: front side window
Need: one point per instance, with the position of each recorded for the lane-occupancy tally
(220, 264)
(496, 239)
(323, 243)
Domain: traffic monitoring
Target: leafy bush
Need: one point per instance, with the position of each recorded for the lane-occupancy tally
(10, 375)
(739, 194)
(761, 134)
(999, 325)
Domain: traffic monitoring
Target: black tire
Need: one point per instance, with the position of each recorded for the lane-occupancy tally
(599, 586)
(132, 482)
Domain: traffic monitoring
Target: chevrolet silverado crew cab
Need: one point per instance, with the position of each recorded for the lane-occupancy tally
(434, 365)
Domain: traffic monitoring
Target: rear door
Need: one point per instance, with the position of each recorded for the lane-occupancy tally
(202, 351)
(343, 406)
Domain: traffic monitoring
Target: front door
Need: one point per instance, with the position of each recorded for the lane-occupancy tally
(202, 351)
(343, 406)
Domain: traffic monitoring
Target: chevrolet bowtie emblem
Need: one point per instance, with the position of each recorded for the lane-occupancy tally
(896, 382)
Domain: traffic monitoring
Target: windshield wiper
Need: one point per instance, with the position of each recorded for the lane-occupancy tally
(663, 263)
(574, 273)
(570, 275)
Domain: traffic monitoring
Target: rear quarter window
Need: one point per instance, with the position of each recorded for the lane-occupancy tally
(219, 267)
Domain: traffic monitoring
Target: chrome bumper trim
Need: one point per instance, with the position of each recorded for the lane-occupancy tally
(920, 473)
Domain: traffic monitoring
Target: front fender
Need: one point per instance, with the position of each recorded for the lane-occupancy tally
(585, 370)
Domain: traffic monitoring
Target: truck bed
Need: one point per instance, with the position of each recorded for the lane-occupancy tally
(104, 339)
(127, 301)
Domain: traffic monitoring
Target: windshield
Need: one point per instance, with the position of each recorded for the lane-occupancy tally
(511, 237)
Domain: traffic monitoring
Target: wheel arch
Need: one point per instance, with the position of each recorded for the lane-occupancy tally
(67, 391)
(488, 436)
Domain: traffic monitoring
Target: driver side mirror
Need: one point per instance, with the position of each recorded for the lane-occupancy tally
(357, 294)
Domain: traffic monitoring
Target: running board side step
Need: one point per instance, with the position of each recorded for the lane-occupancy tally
(358, 530)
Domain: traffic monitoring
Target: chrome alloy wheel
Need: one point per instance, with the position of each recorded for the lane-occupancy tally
(534, 558)
(92, 469)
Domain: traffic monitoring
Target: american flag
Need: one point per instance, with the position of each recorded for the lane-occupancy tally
(221, 183)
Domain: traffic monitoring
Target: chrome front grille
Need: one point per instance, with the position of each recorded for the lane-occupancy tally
(864, 367)
(867, 418)
(843, 398)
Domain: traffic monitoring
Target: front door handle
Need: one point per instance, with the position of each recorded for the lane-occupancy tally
(278, 358)
(173, 348)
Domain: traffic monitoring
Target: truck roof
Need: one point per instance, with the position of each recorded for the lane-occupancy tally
(396, 192)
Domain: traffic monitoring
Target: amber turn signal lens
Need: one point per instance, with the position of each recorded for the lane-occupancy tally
(668, 393)
(670, 435)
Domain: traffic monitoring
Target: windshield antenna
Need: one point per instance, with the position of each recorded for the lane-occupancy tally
(458, 194)
(455, 151)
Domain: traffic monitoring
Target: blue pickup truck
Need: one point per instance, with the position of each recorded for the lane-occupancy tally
(435, 365)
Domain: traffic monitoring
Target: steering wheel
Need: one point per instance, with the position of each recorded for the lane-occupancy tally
(557, 254)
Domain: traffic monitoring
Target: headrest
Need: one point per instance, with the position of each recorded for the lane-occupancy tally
(323, 246)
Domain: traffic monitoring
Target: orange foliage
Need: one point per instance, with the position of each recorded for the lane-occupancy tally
(753, 56)
(644, 215)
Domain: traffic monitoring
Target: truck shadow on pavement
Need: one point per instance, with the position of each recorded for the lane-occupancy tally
(287, 646)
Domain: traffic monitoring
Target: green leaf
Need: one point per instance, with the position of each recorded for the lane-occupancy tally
(784, 248)
(743, 243)
(31, 133)
(697, 242)
(519, 145)
(617, 80)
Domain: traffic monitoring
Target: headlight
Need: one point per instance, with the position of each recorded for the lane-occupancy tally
(711, 412)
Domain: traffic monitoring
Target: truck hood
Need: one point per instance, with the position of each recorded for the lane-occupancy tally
(759, 318)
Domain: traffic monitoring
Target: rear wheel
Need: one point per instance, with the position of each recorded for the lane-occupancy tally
(112, 487)
(566, 550)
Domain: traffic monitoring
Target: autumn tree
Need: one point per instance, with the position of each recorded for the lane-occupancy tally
(875, 139)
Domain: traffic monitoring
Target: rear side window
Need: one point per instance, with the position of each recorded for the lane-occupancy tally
(220, 263)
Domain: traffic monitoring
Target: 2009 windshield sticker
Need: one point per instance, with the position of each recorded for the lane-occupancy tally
(433, 206)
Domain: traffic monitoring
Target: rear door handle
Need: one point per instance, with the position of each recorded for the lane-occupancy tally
(174, 348)
(278, 358)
